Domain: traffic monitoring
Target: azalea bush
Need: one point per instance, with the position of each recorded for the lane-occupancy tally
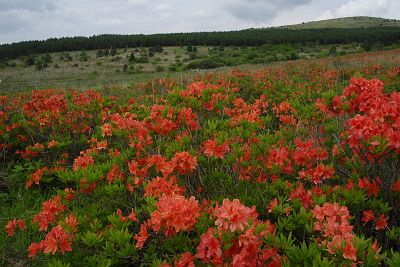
(296, 164)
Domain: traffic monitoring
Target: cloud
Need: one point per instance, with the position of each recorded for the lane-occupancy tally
(41, 19)
(259, 10)
(38, 5)
(368, 7)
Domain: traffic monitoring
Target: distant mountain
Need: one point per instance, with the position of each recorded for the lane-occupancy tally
(347, 22)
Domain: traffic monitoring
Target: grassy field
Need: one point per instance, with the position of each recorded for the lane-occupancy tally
(88, 69)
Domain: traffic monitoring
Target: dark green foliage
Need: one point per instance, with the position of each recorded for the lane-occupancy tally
(249, 37)
(132, 58)
(207, 63)
(99, 53)
(83, 56)
(30, 61)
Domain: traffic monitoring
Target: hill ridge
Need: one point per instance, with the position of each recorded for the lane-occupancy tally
(345, 22)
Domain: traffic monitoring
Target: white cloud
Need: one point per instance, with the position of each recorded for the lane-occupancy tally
(368, 7)
(327, 14)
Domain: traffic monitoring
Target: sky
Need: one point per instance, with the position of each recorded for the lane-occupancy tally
(22, 20)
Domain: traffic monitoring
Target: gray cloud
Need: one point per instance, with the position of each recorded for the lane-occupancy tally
(259, 10)
(41, 19)
(37, 5)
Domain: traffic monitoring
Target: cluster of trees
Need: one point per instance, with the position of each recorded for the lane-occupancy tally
(249, 37)
(40, 62)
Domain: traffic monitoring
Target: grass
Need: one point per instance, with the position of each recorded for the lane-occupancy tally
(108, 71)
(348, 22)
(93, 72)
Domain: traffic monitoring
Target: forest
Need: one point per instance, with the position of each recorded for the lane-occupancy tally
(249, 37)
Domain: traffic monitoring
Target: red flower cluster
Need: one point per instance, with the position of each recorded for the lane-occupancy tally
(247, 112)
(307, 153)
(279, 157)
(115, 174)
(36, 177)
(317, 174)
(184, 162)
(185, 261)
(285, 112)
(380, 224)
(51, 209)
(175, 213)
(248, 249)
(131, 217)
(106, 129)
(83, 162)
(211, 149)
(378, 115)
(209, 248)
(163, 186)
(56, 239)
(303, 195)
(13, 224)
(162, 119)
(233, 215)
(187, 116)
(372, 188)
(332, 220)
(142, 236)
(346, 247)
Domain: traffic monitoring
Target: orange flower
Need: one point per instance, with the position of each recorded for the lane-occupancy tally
(184, 162)
(34, 248)
(83, 162)
(13, 224)
(381, 223)
(57, 237)
(211, 148)
(272, 205)
(185, 261)
(175, 213)
(142, 236)
(350, 252)
(49, 213)
(160, 186)
(106, 130)
(209, 248)
(368, 216)
(396, 186)
(52, 144)
(114, 174)
(233, 215)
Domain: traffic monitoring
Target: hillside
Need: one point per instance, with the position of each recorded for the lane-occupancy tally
(347, 23)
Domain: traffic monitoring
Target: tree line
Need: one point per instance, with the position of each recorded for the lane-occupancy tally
(248, 37)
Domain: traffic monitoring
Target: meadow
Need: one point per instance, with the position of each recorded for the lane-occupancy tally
(289, 164)
(131, 66)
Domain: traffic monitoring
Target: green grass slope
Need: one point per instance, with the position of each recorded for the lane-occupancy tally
(347, 22)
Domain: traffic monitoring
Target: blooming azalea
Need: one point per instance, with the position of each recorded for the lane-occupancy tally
(233, 215)
(142, 236)
(83, 162)
(368, 216)
(381, 223)
(13, 224)
(209, 248)
(184, 162)
(175, 213)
